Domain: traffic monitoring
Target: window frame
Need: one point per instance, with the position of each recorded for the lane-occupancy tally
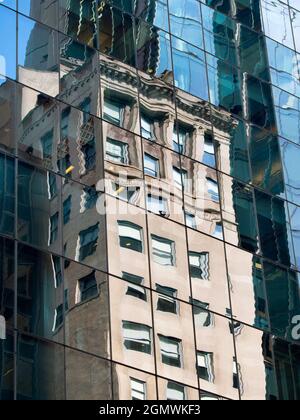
(136, 344)
(172, 256)
(136, 245)
(168, 359)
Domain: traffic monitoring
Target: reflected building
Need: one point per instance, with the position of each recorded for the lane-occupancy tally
(148, 241)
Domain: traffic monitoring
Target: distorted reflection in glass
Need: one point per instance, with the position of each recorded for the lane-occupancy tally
(87, 315)
(116, 34)
(274, 230)
(40, 370)
(185, 18)
(130, 384)
(286, 362)
(219, 35)
(79, 75)
(253, 55)
(131, 331)
(40, 294)
(8, 93)
(80, 154)
(168, 255)
(239, 216)
(247, 287)
(39, 207)
(78, 20)
(248, 12)
(38, 128)
(189, 68)
(216, 366)
(163, 197)
(123, 165)
(224, 85)
(8, 44)
(7, 287)
(46, 15)
(119, 95)
(86, 242)
(231, 145)
(148, 40)
(37, 58)
(175, 349)
(259, 107)
(87, 377)
(284, 67)
(283, 298)
(155, 12)
(277, 24)
(287, 108)
(294, 212)
(127, 239)
(264, 151)
(170, 390)
(208, 273)
(290, 154)
(7, 367)
(254, 354)
(7, 195)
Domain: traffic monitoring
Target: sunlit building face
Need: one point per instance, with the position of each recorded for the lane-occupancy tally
(149, 197)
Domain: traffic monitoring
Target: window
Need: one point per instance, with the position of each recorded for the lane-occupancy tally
(88, 241)
(113, 112)
(138, 390)
(129, 194)
(235, 328)
(2, 328)
(130, 236)
(157, 205)
(213, 189)
(205, 366)
(67, 263)
(89, 152)
(235, 375)
(170, 351)
(65, 115)
(209, 151)
(180, 177)
(54, 227)
(175, 392)
(137, 337)
(66, 295)
(179, 140)
(57, 271)
(135, 289)
(66, 166)
(167, 299)
(58, 317)
(151, 166)
(47, 144)
(199, 265)
(163, 251)
(85, 106)
(147, 128)
(90, 197)
(87, 288)
(190, 220)
(67, 209)
(116, 151)
(218, 233)
(202, 316)
(52, 185)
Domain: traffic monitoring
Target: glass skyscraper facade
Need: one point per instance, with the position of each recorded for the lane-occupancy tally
(149, 199)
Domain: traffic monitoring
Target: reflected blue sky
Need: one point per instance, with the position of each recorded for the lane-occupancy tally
(8, 23)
